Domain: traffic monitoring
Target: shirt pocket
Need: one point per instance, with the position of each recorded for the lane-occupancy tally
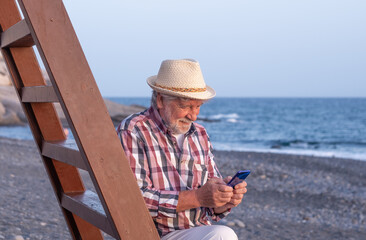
(200, 175)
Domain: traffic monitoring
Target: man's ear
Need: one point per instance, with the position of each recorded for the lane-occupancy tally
(159, 101)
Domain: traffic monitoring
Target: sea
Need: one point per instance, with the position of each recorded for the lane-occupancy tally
(328, 127)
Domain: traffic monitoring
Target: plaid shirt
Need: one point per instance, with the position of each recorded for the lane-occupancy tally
(163, 170)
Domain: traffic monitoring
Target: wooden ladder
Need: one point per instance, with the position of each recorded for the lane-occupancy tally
(117, 207)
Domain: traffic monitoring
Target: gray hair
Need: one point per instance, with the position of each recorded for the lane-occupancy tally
(166, 97)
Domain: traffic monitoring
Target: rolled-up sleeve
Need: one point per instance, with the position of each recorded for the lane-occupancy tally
(159, 202)
(217, 217)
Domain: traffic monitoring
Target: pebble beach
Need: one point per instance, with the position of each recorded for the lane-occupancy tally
(289, 196)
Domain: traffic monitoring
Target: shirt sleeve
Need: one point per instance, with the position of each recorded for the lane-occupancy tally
(214, 172)
(160, 203)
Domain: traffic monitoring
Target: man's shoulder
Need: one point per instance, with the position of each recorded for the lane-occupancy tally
(133, 121)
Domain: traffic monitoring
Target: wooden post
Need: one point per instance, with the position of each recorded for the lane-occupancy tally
(118, 208)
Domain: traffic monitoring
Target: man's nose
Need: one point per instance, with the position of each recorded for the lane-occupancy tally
(193, 114)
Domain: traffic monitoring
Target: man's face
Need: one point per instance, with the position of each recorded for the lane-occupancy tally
(178, 114)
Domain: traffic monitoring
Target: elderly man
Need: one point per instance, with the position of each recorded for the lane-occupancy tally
(171, 157)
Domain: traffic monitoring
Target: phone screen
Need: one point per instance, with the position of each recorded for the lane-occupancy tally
(239, 177)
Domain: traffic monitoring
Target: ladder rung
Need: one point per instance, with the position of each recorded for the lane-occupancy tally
(39, 94)
(17, 35)
(65, 151)
(88, 206)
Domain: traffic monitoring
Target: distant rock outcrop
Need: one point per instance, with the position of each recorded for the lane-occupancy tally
(11, 112)
(4, 76)
(117, 111)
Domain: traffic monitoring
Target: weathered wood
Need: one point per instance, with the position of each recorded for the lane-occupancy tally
(119, 208)
(88, 206)
(65, 151)
(17, 35)
(88, 118)
(40, 94)
(43, 120)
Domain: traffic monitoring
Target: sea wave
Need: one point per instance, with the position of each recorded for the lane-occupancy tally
(230, 117)
(344, 149)
(297, 143)
(356, 155)
(225, 116)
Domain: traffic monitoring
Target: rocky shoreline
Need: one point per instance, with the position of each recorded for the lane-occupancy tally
(11, 112)
(289, 196)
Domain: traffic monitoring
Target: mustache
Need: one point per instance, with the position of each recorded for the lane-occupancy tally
(185, 120)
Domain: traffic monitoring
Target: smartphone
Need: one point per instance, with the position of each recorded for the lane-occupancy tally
(238, 178)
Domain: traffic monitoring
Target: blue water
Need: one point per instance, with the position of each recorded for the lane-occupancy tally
(308, 126)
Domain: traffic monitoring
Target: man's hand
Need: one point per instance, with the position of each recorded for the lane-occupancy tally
(238, 194)
(239, 191)
(214, 193)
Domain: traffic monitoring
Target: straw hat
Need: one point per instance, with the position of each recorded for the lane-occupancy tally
(182, 78)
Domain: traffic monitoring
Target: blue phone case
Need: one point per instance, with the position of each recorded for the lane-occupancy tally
(238, 178)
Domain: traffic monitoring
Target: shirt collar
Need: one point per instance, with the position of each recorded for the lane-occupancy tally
(155, 116)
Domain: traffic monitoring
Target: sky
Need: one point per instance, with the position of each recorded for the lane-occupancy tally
(246, 48)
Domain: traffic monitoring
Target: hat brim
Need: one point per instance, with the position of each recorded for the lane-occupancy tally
(206, 95)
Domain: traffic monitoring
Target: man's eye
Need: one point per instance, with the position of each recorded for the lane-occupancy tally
(188, 106)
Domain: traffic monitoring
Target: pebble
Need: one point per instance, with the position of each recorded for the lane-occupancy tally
(230, 223)
(18, 237)
(236, 222)
(239, 223)
(265, 212)
(43, 224)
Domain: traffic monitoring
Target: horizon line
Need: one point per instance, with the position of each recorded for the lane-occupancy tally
(251, 97)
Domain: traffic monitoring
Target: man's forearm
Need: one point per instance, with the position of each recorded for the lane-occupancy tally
(187, 200)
